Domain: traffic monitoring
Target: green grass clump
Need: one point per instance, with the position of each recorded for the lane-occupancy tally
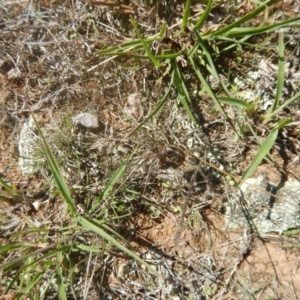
(184, 55)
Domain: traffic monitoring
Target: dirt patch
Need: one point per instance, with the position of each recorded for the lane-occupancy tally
(273, 270)
(179, 168)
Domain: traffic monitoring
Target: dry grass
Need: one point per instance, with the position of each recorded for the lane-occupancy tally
(175, 183)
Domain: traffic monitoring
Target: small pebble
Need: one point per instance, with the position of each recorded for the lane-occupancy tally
(86, 120)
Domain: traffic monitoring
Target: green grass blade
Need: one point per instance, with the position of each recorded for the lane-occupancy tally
(8, 265)
(259, 142)
(280, 77)
(53, 165)
(236, 32)
(132, 47)
(261, 154)
(157, 108)
(269, 115)
(10, 247)
(169, 55)
(164, 56)
(13, 280)
(61, 288)
(244, 19)
(129, 52)
(207, 87)
(89, 249)
(60, 277)
(243, 290)
(5, 185)
(124, 48)
(235, 102)
(283, 123)
(162, 31)
(204, 15)
(107, 228)
(233, 43)
(32, 283)
(117, 175)
(85, 223)
(212, 68)
(47, 285)
(113, 180)
(183, 94)
(145, 45)
(186, 14)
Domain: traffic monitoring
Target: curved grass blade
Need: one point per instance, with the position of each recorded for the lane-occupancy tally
(53, 165)
(85, 223)
(47, 285)
(124, 48)
(113, 180)
(242, 290)
(5, 185)
(156, 109)
(131, 47)
(207, 88)
(259, 30)
(162, 31)
(32, 283)
(164, 56)
(261, 154)
(235, 102)
(242, 20)
(268, 116)
(10, 264)
(233, 43)
(10, 247)
(280, 84)
(204, 15)
(87, 248)
(283, 123)
(212, 68)
(32, 261)
(183, 94)
(145, 45)
(270, 157)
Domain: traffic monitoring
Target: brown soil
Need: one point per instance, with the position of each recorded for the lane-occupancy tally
(241, 264)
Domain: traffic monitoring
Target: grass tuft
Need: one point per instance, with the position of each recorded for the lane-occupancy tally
(192, 100)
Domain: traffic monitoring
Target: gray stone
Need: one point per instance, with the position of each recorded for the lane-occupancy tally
(86, 120)
(26, 146)
(255, 206)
